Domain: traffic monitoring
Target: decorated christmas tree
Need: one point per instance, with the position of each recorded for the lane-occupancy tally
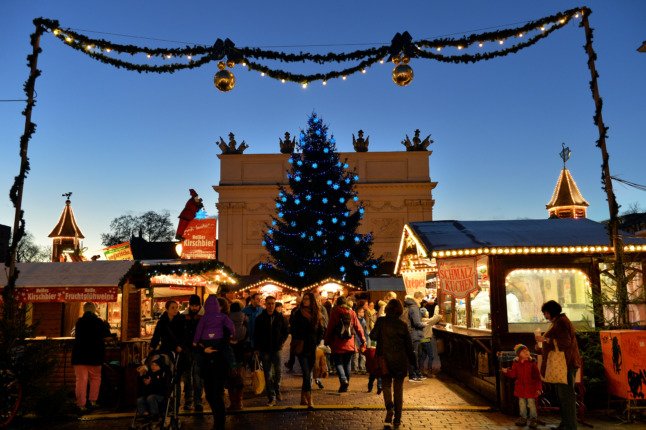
(314, 233)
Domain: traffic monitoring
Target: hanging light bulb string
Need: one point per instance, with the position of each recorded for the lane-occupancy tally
(402, 46)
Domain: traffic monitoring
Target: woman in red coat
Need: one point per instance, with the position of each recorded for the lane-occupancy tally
(528, 384)
(339, 336)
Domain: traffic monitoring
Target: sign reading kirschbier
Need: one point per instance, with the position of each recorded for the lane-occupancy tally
(458, 276)
(121, 251)
(67, 294)
(199, 240)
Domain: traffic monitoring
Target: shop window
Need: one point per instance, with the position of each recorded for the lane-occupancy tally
(527, 289)
(636, 294)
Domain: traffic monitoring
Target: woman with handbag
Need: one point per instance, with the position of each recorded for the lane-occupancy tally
(307, 331)
(561, 359)
(394, 352)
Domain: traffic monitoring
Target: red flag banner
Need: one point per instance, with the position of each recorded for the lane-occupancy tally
(67, 294)
(458, 276)
(199, 240)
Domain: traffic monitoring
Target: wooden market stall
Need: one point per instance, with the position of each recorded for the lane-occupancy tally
(283, 293)
(492, 278)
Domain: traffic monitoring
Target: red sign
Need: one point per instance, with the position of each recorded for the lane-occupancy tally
(67, 294)
(458, 276)
(199, 240)
(624, 358)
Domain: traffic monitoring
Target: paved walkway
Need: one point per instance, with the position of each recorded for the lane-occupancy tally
(438, 403)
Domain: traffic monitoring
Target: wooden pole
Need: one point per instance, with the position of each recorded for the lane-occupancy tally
(606, 179)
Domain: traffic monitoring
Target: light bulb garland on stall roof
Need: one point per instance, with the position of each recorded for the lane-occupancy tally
(400, 51)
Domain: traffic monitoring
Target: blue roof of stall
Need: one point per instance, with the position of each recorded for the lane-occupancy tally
(447, 235)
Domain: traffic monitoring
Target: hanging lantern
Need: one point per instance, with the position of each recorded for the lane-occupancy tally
(402, 73)
(224, 79)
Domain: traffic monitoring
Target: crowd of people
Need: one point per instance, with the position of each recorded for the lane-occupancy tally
(214, 344)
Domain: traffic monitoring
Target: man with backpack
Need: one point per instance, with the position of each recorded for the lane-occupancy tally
(343, 326)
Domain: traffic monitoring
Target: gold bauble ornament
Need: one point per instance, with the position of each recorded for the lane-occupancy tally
(402, 74)
(395, 60)
(224, 80)
(221, 65)
(230, 64)
(405, 60)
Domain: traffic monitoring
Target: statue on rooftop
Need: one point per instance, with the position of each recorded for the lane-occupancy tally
(417, 144)
(360, 144)
(232, 147)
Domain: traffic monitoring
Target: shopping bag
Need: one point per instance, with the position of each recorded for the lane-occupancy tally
(258, 376)
(556, 367)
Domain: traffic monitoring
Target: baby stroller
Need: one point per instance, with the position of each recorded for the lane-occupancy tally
(168, 406)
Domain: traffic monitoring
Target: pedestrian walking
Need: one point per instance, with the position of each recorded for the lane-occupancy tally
(270, 332)
(252, 310)
(413, 317)
(307, 332)
(240, 346)
(527, 386)
(394, 345)
(88, 351)
(561, 334)
(339, 336)
(212, 336)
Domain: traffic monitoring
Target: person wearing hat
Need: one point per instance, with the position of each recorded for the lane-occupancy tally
(154, 384)
(193, 385)
(88, 352)
(528, 385)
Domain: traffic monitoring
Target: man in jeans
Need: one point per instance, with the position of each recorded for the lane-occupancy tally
(269, 334)
(191, 377)
(413, 318)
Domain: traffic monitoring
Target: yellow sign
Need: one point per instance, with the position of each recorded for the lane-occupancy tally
(121, 251)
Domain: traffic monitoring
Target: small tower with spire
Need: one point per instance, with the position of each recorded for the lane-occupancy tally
(66, 236)
(567, 201)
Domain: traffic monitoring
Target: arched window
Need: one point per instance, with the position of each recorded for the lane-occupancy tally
(527, 289)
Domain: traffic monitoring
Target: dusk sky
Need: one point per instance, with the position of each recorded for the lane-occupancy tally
(125, 142)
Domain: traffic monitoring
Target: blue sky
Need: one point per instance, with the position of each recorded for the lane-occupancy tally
(125, 142)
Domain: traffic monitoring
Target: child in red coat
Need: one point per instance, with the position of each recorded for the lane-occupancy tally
(528, 385)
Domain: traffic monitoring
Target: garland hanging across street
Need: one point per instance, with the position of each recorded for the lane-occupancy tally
(401, 50)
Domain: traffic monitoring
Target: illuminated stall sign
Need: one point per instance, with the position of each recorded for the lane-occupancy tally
(458, 276)
(199, 240)
(121, 251)
(67, 294)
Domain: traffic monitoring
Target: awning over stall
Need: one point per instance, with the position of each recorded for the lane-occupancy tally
(69, 282)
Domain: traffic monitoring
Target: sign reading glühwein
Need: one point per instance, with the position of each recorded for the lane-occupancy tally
(199, 240)
(67, 294)
(457, 276)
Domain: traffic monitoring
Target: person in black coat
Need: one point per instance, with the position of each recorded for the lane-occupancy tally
(270, 332)
(170, 337)
(395, 346)
(88, 352)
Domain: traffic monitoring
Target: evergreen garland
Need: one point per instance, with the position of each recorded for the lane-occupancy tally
(139, 275)
(402, 45)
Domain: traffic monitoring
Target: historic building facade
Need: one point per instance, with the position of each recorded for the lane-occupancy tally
(395, 188)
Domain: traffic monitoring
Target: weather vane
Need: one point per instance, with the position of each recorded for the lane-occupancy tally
(68, 195)
(565, 154)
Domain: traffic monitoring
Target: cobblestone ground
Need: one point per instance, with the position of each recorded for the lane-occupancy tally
(437, 403)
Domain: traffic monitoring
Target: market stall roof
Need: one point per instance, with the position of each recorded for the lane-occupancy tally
(66, 226)
(82, 274)
(542, 236)
(443, 235)
(385, 283)
(566, 192)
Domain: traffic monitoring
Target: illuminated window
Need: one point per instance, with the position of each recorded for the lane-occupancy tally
(527, 289)
(474, 310)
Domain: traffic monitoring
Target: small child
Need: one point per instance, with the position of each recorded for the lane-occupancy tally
(320, 364)
(528, 385)
(153, 388)
(428, 346)
(371, 363)
(358, 359)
